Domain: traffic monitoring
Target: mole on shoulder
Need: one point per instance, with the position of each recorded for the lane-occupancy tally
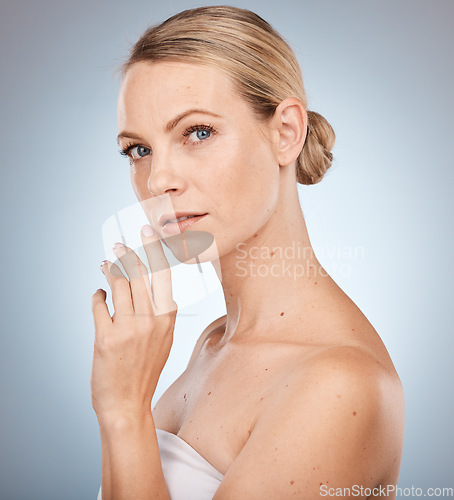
(282, 314)
(354, 413)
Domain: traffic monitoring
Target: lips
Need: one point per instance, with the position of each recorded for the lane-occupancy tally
(165, 218)
(172, 228)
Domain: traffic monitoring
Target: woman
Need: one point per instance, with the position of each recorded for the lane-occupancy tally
(292, 393)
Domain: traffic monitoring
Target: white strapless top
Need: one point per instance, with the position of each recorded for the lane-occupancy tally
(188, 475)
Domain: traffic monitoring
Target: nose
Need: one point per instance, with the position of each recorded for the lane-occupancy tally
(164, 177)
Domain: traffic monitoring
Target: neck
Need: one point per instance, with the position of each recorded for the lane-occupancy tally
(270, 277)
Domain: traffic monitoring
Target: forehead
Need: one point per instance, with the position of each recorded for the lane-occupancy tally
(167, 88)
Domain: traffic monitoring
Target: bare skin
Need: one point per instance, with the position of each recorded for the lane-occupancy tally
(294, 365)
(215, 404)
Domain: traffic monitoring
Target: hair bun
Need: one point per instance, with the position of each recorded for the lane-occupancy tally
(316, 157)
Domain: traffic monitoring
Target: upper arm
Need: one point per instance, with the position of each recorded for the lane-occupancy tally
(203, 336)
(329, 426)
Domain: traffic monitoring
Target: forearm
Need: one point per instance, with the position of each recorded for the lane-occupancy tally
(130, 462)
(106, 487)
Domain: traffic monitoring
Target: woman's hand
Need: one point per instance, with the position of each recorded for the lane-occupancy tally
(132, 347)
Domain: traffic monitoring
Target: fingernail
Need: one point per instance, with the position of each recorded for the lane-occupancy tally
(117, 246)
(147, 231)
(103, 263)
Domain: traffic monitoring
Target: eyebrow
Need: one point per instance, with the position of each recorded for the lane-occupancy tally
(172, 123)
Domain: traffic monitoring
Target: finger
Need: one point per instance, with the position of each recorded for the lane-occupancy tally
(100, 310)
(121, 292)
(139, 282)
(161, 280)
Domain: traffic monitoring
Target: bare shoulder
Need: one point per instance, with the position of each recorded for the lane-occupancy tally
(353, 377)
(335, 419)
(348, 388)
(344, 372)
(217, 323)
(349, 360)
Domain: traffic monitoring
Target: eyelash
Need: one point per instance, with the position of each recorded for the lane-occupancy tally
(126, 150)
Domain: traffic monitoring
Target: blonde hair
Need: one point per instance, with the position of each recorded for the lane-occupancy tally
(261, 65)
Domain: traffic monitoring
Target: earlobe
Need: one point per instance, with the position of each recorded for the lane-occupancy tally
(291, 122)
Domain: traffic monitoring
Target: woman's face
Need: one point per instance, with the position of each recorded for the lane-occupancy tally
(220, 162)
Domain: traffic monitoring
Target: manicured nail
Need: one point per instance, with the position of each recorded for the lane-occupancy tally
(147, 231)
(103, 263)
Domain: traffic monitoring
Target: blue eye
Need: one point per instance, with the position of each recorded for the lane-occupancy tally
(202, 132)
(141, 151)
(129, 151)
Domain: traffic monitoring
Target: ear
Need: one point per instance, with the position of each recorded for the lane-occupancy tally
(290, 125)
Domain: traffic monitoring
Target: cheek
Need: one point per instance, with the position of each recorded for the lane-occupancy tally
(250, 186)
(139, 182)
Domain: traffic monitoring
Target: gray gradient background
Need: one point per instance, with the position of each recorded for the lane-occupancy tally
(381, 73)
